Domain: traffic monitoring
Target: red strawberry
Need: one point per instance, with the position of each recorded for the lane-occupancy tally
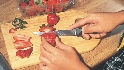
(31, 2)
(31, 12)
(12, 30)
(52, 19)
(50, 37)
(59, 8)
(61, 1)
(49, 34)
(23, 5)
(24, 52)
(50, 2)
(40, 9)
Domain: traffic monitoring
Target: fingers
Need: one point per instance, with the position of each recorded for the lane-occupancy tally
(45, 53)
(94, 36)
(92, 29)
(79, 23)
(42, 67)
(44, 60)
(47, 46)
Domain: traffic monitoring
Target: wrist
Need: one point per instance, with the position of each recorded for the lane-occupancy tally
(82, 67)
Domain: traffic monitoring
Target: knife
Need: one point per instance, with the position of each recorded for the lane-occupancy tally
(74, 32)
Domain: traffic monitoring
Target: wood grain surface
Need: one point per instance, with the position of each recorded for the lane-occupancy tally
(66, 19)
(106, 48)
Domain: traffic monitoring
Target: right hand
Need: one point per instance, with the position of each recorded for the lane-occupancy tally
(99, 23)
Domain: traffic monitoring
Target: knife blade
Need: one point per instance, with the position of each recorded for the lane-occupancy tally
(74, 32)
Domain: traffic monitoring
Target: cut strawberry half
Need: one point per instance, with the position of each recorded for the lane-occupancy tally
(50, 37)
(24, 52)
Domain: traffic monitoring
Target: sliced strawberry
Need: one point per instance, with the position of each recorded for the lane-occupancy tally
(23, 5)
(50, 37)
(17, 37)
(28, 52)
(12, 30)
(24, 52)
(52, 19)
(20, 44)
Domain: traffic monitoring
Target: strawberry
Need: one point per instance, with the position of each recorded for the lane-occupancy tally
(31, 12)
(20, 44)
(50, 37)
(61, 1)
(40, 9)
(49, 34)
(31, 2)
(59, 8)
(12, 30)
(52, 19)
(23, 5)
(45, 28)
(17, 37)
(24, 52)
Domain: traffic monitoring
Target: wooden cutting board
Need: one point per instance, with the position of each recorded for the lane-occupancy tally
(66, 19)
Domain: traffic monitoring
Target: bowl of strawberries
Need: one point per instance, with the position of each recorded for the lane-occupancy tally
(39, 7)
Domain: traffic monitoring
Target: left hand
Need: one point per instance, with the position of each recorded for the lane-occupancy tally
(61, 58)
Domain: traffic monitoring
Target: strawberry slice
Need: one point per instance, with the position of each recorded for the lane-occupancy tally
(17, 37)
(50, 37)
(12, 30)
(24, 52)
(20, 44)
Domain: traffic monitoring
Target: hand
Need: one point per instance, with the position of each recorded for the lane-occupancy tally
(61, 58)
(97, 25)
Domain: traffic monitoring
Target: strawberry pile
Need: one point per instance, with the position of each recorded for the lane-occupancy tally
(55, 5)
(31, 7)
(23, 45)
(35, 7)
